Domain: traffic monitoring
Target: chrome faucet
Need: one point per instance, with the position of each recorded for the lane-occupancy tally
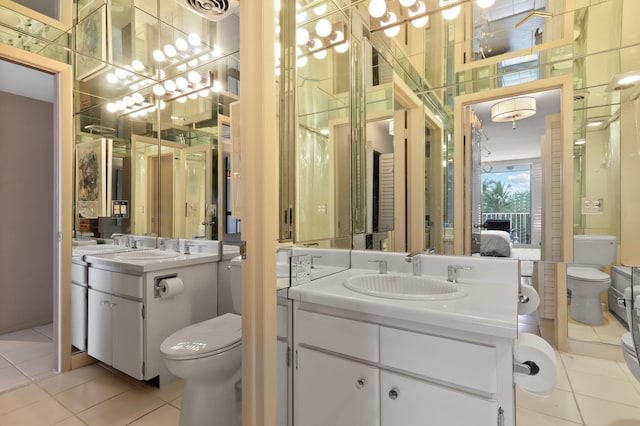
(414, 259)
(132, 242)
(187, 247)
(163, 243)
(382, 265)
(452, 272)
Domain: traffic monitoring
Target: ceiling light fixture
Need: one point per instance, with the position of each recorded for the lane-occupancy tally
(513, 109)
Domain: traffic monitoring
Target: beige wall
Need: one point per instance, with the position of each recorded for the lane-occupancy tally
(27, 217)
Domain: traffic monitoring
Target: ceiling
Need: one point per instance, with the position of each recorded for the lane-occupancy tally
(503, 142)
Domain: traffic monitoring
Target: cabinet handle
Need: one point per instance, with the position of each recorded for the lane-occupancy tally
(114, 304)
(360, 383)
(393, 393)
(104, 302)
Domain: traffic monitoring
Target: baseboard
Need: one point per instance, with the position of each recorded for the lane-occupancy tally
(596, 349)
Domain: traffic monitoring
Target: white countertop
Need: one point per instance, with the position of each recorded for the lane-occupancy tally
(487, 308)
(113, 262)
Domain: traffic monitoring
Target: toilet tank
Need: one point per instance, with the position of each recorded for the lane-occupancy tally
(236, 283)
(595, 249)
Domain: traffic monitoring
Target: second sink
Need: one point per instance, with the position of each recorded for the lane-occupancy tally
(407, 287)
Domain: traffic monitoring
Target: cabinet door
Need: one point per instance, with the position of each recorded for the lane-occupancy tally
(126, 323)
(408, 402)
(330, 390)
(79, 316)
(283, 388)
(99, 326)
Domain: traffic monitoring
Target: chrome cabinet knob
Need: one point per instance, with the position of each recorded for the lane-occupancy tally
(360, 383)
(393, 393)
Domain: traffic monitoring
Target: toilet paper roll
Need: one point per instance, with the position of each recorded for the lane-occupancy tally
(169, 287)
(536, 352)
(532, 300)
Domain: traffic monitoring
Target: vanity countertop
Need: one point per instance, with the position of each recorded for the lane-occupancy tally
(115, 262)
(487, 308)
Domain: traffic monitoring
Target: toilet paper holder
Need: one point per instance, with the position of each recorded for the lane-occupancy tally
(529, 368)
(156, 285)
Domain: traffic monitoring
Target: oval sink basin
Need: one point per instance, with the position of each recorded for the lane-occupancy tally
(147, 255)
(405, 287)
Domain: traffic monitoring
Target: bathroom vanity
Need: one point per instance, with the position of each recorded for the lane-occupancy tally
(129, 317)
(367, 360)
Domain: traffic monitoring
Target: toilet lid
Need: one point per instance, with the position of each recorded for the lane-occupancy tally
(205, 338)
(587, 274)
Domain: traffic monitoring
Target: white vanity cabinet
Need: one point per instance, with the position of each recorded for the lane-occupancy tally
(128, 318)
(352, 371)
(116, 316)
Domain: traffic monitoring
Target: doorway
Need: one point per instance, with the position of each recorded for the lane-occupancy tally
(27, 294)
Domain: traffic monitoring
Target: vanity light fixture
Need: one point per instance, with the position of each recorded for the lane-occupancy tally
(325, 36)
(623, 81)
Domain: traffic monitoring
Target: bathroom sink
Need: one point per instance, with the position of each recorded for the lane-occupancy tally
(407, 287)
(147, 255)
(97, 249)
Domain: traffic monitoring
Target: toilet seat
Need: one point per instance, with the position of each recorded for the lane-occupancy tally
(204, 339)
(587, 274)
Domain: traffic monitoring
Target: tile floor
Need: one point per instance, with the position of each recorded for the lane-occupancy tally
(610, 331)
(589, 392)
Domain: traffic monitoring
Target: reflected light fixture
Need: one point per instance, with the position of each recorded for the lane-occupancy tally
(483, 4)
(513, 109)
(452, 12)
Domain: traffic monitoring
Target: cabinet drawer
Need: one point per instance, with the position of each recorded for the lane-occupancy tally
(78, 273)
(463, 363)
(116, 283)
(345, 336)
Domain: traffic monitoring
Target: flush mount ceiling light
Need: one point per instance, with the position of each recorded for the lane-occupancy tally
(513, 109)
(623, 81)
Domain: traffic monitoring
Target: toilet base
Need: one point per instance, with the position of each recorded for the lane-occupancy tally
(206, 402)
(585, 309)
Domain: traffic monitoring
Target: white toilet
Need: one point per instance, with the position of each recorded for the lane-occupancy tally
(585, 281)
(207, 356)
(628, 346)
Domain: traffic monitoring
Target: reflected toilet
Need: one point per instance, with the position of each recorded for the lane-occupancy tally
(585, 281)
(207, 356)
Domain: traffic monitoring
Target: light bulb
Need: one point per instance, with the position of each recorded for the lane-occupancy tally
(134, 115)
(142, 113)
(121, 105)
(320, 10)
(278, 71)
(120, 73)
(134, 86)
(181, 67)
(151, 109)
(194, 39)
(158, 55)
(170, 86)
(169, 50)
(137, 98)
(407, 3)
(204, 93)
(112, 78)
(137, 65)
(277, 50)
(391, 31)
(301, 61)
(182, 99)
(111, 107)
(193, 95)
(217, 86)
(302, 36)
(483, 4)
(128, 101)
(377, 8)
(204, 58)
(300, 17)
(216, 52)
(192, 63)
(158, 90)
(451, 13)
(194, 77)
(163, 104)
(321, 54)
(323, 27)
(182, 83)
(419, 22)
(343, 47)
(182, 44)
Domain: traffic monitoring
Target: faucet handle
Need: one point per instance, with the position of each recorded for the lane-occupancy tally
(452, 272)
(382, 265)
